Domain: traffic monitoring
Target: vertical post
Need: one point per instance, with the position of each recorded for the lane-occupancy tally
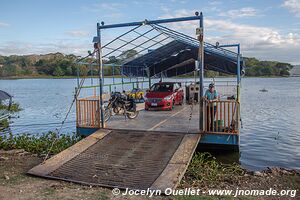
(92, 82)
(113, 73)
(100, 75)
(143, 80)
(78, 74)
(149, 81)
(238, 73)
(149, 78)
(201, 69)
(122, 77)
(238, 86)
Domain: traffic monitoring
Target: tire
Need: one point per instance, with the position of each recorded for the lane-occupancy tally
(140, 96)
(132, 115)
(107, 114)
(181, 102)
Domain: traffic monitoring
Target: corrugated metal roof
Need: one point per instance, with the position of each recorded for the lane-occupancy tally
(178, 57)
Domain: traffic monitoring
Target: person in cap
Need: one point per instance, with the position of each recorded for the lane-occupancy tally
(211, 95)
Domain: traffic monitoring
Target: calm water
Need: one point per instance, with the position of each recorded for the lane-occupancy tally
(271, 120)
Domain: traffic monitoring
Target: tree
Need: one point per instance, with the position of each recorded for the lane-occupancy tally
(9, 70)
(58, 71)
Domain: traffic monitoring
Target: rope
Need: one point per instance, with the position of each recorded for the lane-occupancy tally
(62, 123)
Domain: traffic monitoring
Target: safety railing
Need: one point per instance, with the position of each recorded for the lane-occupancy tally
(109, 87)
(221, 116)
(87, 113)
(226, 88)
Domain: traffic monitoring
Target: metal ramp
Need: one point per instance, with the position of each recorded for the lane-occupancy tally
(123, 159)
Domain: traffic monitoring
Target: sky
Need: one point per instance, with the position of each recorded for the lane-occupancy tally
(267, 30)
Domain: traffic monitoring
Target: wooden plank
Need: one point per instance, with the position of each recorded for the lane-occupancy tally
(58, 160)
(174, 171)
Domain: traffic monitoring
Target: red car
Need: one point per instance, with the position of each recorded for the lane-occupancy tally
(163, 96)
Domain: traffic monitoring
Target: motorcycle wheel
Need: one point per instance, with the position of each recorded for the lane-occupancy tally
(132, 115)
(117, 110)
(107, 114)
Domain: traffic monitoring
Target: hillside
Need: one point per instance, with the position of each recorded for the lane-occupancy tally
(58, 64)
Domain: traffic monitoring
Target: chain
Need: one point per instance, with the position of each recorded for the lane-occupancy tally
(191, 112)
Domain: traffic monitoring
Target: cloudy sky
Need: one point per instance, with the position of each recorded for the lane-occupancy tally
(268, 29)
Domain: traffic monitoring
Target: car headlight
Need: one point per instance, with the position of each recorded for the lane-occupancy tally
(168, 98)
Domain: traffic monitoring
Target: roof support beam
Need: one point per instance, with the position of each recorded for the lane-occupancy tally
(160, 21)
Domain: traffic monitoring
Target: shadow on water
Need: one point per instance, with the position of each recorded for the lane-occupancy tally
(222, 156)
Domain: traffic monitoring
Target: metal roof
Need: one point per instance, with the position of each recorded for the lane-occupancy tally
(162, 51)
(178, 57)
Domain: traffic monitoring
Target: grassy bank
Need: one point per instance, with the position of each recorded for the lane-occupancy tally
(50, 77)
(204, 172)
(38, 144)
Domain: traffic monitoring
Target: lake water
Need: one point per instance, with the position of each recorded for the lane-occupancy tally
(271, 120)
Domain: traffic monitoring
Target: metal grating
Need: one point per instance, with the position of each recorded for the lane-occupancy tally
(122, 159)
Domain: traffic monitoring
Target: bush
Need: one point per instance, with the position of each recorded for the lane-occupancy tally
(39, 144)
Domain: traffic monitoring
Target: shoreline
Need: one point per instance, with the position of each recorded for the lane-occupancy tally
(119, 76)
(17, 184)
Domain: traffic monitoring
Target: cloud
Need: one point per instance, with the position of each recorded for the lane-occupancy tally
(3, 24)
(107, 10)
(215, 2)
(242, 12)
(99, 7)
(262, 42)
(77, 33)
(293, 6)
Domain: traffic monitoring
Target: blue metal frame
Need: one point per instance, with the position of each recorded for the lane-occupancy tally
(85, 131)
(148, 22)
(238, 72)
(140, 23)
(100, 76)
(201, 71)
(220, 141)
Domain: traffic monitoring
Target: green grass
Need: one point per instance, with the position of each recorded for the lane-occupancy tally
(39, 144)
(15, 107)
(205, 170)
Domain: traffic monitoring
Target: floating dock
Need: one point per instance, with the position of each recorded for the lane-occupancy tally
(154, 150)
(123, 159)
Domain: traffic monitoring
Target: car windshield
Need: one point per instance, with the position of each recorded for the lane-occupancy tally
(162, 88)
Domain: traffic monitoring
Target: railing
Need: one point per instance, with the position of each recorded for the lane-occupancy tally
(225, 88)
(221, 116)
(87, 113)
(111, 85)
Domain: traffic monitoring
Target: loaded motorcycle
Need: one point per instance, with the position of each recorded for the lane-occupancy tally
(120, 104)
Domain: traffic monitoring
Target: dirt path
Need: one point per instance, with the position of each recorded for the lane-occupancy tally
(16, 184)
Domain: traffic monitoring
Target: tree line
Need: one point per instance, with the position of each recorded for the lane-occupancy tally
(58, 64)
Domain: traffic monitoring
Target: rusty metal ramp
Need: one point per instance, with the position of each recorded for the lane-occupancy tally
(123, 159)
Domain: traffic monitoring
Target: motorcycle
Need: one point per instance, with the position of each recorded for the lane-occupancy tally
(120, 104)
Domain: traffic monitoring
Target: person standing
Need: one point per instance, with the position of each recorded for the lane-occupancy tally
(211, 95)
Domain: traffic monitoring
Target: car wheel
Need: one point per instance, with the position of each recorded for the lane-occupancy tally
(181, 102)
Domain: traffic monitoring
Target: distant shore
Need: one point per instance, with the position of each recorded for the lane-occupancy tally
(119, 76)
